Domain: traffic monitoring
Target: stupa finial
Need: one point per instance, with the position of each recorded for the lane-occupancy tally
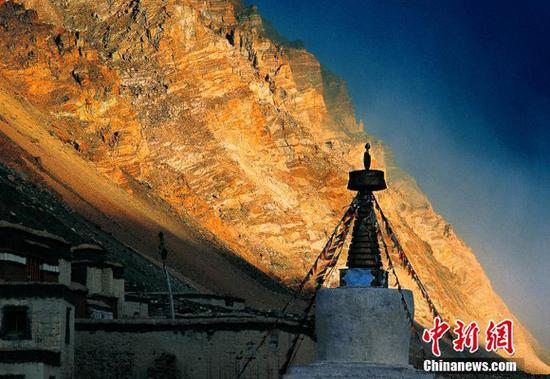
(367, 157)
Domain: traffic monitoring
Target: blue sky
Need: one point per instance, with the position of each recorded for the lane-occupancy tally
(460, 90)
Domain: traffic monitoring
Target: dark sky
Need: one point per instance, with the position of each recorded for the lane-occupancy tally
(460, 90)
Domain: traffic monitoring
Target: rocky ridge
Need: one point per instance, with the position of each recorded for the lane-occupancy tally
(195, 103)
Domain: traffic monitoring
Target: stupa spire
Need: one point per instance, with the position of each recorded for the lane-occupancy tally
(364, 264)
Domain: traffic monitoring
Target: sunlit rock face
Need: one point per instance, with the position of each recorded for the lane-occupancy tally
(224, 122)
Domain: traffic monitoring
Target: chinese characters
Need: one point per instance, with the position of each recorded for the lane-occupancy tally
(497, 336)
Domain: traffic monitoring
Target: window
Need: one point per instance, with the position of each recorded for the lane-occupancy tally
(15, 323)
(49, 268)
(68, 325)
(78, 274)
(33, 269)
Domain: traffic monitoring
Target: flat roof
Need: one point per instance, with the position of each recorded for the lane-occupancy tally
(87, 246)
(40, 233)
(41, 290)
(226, 322)
(24, 241)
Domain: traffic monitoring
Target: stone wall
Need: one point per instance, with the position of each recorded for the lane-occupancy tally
(64, 272)
(35, 370)
(94, 280)
(202, 348)
(107, 280)
(47, 323)
(117, 290)
(135, 309)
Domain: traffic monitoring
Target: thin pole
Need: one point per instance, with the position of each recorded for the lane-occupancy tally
(163, 254)
(172, 313)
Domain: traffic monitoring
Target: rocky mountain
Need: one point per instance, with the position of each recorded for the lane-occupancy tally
(195, 117)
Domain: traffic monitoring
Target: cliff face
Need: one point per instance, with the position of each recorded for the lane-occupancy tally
(190, 103)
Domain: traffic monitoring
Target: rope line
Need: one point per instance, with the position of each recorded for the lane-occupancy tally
(405, 261)
(391, 267)
(325, 264)
(291, 353)
(318, 270)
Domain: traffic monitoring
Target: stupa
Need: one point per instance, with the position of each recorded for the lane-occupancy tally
(362, 326)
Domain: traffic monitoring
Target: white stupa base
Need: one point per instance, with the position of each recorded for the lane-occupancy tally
(362, 332)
